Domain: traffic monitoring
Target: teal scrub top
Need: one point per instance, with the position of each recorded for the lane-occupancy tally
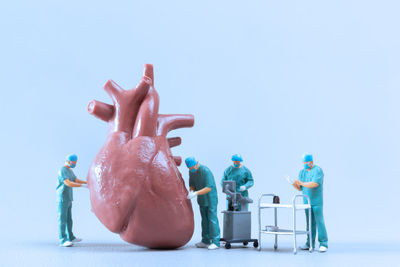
(315, 175)
(203, 177)
(64, 192)
(241, 175)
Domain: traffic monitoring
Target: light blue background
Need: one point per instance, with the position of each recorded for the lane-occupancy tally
(267, 79)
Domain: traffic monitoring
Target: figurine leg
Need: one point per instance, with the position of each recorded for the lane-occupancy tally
(319, 220)
(205, 233)
(62, 221)
(313, 228)
(213, 225)
(69, 223)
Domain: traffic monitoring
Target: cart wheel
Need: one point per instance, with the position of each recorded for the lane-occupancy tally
(245, 243)
(255, 244)
(275, 247)
(227, 245)
(294, 251)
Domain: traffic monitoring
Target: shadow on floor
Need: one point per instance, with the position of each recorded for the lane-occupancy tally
(286, 248)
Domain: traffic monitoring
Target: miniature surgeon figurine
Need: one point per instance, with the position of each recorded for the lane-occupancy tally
(310, 181)
(239, 173)
(67, 180)
(202, 185)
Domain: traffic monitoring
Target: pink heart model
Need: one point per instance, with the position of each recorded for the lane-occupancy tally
(136, 189)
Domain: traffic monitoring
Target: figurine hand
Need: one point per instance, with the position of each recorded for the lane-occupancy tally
(191, 194)
(242, 188)
(296, 185)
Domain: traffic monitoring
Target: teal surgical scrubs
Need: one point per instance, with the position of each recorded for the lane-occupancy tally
(64, 202)
(316, 175)
(203, 177)
(242, 176)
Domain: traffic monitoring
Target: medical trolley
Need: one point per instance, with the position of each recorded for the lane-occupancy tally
(277, 231)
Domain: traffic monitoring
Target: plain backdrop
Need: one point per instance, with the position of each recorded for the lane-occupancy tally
(267, 79)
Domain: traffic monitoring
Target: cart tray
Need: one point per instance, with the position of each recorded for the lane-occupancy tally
(289, 206)
(284, 232)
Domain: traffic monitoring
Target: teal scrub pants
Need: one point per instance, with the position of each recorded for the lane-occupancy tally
(317, 222)
(65, 221)
(209, 225)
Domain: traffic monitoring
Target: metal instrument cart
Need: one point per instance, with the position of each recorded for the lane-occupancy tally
(295, 207)
(237, 223)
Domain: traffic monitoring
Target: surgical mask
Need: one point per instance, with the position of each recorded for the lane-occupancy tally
(72, 165)
(306, 167)
(193, 170)
(236, 165)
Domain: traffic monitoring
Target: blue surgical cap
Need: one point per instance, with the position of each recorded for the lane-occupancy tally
(237, 157)
(190, 162)
(72, 157)
(307, 158)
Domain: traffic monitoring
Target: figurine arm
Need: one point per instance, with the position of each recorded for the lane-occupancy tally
(80, 181)
(192, 188)
(225, 177)
(316, 180)
(67, 182)
(250, 181)
(204, 191)
(309, 184)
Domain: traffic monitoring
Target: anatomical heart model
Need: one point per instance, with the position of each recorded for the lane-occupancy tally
(136, 189)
